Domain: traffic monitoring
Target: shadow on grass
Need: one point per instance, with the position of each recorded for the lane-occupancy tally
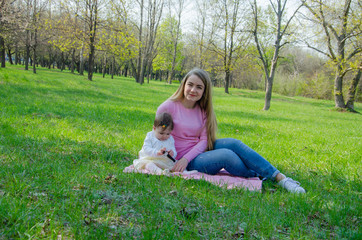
(305, 101)
(59, 179)
(53, 148)
(259, 117)
(73, 103)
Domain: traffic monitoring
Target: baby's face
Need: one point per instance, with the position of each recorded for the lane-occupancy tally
(161, 133)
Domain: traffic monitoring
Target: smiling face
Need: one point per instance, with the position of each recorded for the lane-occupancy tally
(161, 133)
(193, 91)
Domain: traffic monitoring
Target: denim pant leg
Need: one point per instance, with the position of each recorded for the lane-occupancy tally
(212, 162)
(236, 157)
(250, 158)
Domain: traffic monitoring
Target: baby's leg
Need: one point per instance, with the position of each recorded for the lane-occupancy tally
(153, 168)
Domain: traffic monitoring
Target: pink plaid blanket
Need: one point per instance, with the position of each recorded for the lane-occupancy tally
(223, 178)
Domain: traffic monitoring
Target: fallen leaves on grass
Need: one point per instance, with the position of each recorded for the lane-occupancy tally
(87, 219)
(78, 187)
(239, 234)
(189, 211)
(35, 196)
(46, 224)
(110, 179)
(173, 193)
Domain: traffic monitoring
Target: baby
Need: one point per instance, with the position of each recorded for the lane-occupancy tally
(158, 151)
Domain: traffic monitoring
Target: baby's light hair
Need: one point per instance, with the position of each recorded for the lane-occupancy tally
(163, 120)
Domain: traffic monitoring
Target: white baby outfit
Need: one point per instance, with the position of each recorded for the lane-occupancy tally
(149, 151)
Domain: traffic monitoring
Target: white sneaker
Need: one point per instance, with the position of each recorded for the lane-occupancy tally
(291, 185)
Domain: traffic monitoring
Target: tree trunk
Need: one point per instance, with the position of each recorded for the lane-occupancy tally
(2, 51)
(81, 61)
(10, 56)
(112, 70)
(149, 71)
(125, 71)
(142, 74)
(92, 31)
(268, 94)
(338, 94)
(201, 45)
(95, 68)
(140, 62)
(73, 61)
(270, 80)
(91, 60)
(352, 90)
(35, 16)
(27, 57)
(104, 65)
(62, 62)
(227, 78)
(34, 50)
(17, 59)
(50, 58)
(133, 70)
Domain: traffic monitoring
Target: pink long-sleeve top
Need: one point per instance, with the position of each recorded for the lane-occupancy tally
(189, 129)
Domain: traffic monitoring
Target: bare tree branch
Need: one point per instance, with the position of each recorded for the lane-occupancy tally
(352, 54)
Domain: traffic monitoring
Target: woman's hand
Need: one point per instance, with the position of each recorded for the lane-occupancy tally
(180, 165)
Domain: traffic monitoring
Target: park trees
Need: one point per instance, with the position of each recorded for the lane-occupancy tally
(10, 16)
(116, 41)
(162, 61)
(88, 12)
(175, 32)
(340, 26)
(153, 37)
(169, 54)
(66, 32)
(198, 44)
(76, 28)
(91, 18)
(35, 9)
(147, 36)
(228, 35)
(277, 25)
(200, 31)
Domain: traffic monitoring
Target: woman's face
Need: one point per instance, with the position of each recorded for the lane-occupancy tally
(194, 89)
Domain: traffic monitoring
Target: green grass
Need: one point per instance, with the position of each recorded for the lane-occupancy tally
(64, 142)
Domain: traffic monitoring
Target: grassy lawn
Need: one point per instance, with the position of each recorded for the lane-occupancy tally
(64, 142)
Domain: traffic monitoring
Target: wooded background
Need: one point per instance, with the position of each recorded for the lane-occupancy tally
(309, 48)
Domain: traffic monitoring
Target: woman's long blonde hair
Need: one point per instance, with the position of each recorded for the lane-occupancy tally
(205, 103)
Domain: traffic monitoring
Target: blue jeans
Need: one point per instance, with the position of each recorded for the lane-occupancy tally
(236, 157)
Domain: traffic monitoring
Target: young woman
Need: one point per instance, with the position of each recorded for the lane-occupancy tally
(195, 136)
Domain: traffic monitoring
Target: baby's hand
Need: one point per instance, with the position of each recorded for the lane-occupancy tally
(171, 153)
(161, 151)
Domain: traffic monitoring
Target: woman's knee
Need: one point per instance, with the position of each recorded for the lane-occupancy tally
(223, 155)
(214, 159)
(228, 143)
